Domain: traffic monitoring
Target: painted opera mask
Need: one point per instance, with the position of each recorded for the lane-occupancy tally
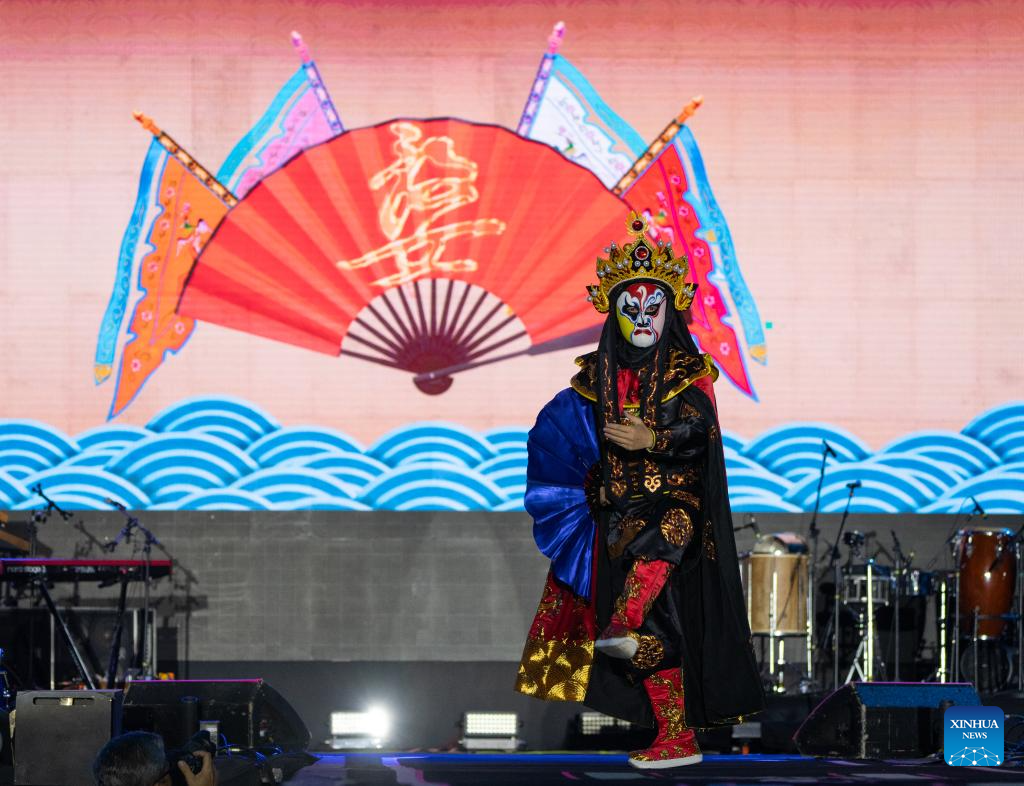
(640, 309)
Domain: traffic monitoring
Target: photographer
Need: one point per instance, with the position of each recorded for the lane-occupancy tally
(138, 759)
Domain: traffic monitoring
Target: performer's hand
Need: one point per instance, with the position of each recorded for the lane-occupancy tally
(631, 435)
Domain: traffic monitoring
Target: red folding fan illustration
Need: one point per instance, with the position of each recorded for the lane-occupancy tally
(425, 245)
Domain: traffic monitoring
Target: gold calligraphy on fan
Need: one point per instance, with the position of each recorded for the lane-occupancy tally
(426, 181)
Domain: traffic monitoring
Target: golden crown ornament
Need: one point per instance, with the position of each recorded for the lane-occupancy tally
(641, 260)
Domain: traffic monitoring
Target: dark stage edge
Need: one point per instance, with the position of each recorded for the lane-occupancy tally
(531, 769)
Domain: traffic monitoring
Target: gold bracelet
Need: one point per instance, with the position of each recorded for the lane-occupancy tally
(654, 440)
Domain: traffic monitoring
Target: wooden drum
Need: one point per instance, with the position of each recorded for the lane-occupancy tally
(775, 584)
(988, 572)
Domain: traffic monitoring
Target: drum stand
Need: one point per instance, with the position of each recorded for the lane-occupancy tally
(942, 601)
(777, 657)
(949, 646)
(866, 648)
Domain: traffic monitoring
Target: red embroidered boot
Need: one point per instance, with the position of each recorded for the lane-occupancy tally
(675, 745)
(644, 582)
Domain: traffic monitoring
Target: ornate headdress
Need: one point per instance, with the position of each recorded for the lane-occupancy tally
(641, 259)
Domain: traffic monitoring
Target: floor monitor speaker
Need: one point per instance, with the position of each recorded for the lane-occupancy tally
(59, 732)
(249, 713)
(881, 720)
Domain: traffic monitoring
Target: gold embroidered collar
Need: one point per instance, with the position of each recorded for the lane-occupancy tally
(681, 371)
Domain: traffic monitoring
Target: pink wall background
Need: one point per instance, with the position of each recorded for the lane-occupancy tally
(869, 157)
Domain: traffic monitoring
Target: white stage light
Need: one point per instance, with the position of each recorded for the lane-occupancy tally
(591, 723)
(490, 731)
(354, 730)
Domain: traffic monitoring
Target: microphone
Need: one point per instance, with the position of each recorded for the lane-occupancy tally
(753, 525)
(855, 485)
(978, 508)
(114, 503)
(828, 449)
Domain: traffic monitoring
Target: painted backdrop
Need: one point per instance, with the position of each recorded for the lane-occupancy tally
(346, 270)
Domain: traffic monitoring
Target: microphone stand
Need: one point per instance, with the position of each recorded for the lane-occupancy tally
(39, 517)
(814, 534)
(142, 655)
(834, 567)
(51, 506)
(812, 529)
(903, 565)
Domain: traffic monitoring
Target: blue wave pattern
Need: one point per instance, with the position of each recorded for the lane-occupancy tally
(216, 453)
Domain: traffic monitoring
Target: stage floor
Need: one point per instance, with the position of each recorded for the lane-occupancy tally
(529, 769)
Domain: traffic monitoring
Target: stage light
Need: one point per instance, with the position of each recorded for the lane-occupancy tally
(353, 730)
(591, 723)
(490, 731)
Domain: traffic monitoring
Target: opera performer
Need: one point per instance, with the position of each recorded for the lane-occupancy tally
(642, 615)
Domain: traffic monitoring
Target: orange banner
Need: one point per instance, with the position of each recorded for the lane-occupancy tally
(190, 213)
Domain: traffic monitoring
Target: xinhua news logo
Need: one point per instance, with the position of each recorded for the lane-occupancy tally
(973, 736)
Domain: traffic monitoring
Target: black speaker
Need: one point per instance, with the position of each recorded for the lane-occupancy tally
(249, 713)
(59, 732)
(881, 720)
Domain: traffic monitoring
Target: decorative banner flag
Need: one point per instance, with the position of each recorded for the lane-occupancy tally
(300, 116)
(132, 251)
(670, 187)
(181, 204)
(564, 111)
(667, 182)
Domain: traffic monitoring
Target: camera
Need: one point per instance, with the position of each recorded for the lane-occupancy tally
(200, 741)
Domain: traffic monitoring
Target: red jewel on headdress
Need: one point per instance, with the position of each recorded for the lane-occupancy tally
(641, 253)
(638, 225)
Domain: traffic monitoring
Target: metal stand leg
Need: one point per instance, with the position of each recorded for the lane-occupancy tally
(76, 656)
(896, 623)
(956, 626)
(942, 630)
(115, 647)
(871, 627)
(780, 684)
(974, 643)
(809, 632)
(1020, 621)
(835, 631)
(855, 667)
(773, 598)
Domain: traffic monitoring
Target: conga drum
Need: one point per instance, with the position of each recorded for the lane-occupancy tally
(988, 571)
(775, 579)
